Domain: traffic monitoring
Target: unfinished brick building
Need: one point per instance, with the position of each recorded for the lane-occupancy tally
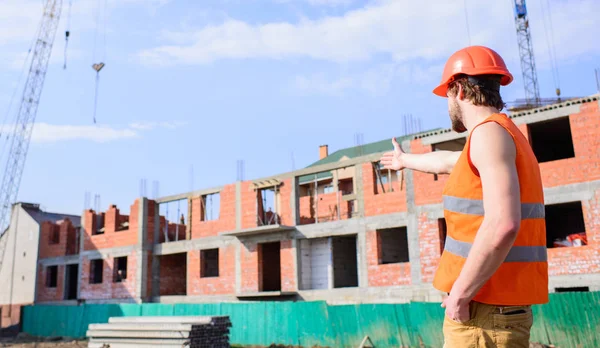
(341, 230)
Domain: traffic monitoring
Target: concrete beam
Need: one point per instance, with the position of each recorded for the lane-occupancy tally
(183, 246)
(527, 116)
(186, 195)
(108, 252)
(575, 280)
(60, 260)
(573, 192)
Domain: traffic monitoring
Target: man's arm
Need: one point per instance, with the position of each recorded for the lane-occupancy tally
(437, 162)
(493, 153)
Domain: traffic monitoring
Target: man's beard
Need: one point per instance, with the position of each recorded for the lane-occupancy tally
(456, 118)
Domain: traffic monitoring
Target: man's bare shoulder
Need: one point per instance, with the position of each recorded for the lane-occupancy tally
(491, 143)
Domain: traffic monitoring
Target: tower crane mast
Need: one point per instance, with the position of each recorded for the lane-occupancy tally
(23, 127)
(532, 92)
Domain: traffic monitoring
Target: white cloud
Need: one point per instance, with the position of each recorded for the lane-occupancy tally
(49, 133)
(374, 81)
(400, 30)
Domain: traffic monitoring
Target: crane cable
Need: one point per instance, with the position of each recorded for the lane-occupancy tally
(467, 21)
(551, 45)
(100, 64)
(68, 32)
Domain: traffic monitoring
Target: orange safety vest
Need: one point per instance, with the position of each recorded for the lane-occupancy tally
(522, 279)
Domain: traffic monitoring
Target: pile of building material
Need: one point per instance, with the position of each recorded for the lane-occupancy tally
(184, 331)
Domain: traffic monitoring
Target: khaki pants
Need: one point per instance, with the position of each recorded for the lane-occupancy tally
(490, 326)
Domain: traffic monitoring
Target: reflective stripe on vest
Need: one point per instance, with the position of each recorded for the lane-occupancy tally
(475, 207)
(516, 253)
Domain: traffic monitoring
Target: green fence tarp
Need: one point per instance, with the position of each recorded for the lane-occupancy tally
(568, 320)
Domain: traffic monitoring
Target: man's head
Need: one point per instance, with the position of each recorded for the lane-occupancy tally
(482, 90)
(472, 77)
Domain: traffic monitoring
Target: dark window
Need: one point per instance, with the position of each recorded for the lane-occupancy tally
(96, 270)
(209, 260)
(551, 140)
(573, 289)
(120, 269)
(393, 245)
(51, 276)
(565, 225)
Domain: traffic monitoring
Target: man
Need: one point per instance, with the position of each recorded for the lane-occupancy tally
(494, 263)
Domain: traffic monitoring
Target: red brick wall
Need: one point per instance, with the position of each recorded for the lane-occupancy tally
(249, 205)
(386, 274)
(50, 294)
(585, 130)
(288, 272)
(284, 207)
(108, 289)
(250, 267)
(584, 259)
(427, 189)
(173, 274)
(111, 238)
(226, 220)
(381, 203)
(66, 239)
(221, 285)
(429, 247)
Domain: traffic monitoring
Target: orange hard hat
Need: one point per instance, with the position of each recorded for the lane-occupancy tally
(473, 61)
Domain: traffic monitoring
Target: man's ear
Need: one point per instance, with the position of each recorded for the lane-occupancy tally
(460, 93)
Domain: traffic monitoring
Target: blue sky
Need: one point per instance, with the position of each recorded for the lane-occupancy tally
(205, 83)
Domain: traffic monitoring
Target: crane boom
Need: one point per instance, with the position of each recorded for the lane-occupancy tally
(530, 82)
(26, 115)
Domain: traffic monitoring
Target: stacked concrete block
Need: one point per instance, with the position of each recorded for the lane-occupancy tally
(185, 331)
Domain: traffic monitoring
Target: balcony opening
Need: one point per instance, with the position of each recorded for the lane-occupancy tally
(96, 271)
(209, 263)
(55, 234)
(392, 245)
(210, 206)
(174, 217)
(71, 282)
(266, 203)
(99, 224)
(345, 261)
(120, 269)
(270, 266)
(565, 226)
(173, 274)
(551, 140)
(51, 276)
(383, 179)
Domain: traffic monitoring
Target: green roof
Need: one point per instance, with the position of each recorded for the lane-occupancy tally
(355, 151)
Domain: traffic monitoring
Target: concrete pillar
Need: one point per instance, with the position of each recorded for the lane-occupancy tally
(80, 267)
(361, 249)
(412, 223)
(358, 188)
(155, 271)
(141, 251)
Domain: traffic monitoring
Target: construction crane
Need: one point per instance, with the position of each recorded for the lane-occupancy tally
(530, 81)
(25, 120)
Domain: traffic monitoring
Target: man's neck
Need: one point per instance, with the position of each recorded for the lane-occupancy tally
(474, 115)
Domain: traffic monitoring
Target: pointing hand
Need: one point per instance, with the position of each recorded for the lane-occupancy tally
(393, 159)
